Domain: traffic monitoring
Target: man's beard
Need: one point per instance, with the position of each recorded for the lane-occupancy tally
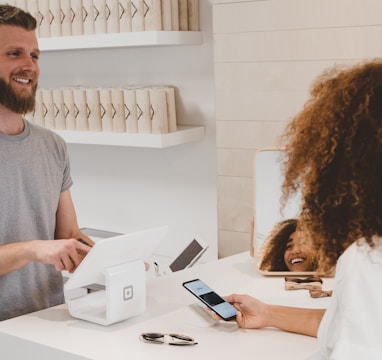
(15, 102)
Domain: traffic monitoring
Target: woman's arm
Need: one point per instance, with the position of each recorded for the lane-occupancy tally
(254, 314)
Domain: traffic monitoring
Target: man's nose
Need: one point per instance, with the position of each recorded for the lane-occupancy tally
(29, 64)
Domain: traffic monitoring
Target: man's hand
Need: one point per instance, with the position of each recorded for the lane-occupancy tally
(64, 254)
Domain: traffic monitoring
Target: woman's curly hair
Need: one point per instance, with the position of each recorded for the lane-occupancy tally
(271, 255)
(334, 155)
(272, 252)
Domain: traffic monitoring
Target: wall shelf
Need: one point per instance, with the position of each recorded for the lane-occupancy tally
(184, 134)
(127, 39)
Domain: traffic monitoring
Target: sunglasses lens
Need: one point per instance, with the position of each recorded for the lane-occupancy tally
(153, 337)
(182, 340)
(182, 337)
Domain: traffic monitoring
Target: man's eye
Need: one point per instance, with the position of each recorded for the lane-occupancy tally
(35, 56)
(14, 53)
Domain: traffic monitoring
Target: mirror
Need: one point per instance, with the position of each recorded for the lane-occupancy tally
(274, 255)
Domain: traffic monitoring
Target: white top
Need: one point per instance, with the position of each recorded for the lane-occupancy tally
(351, 327)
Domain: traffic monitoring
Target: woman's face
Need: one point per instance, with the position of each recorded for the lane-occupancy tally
(298, 255)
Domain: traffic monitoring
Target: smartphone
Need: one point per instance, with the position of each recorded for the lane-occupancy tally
(209, 297)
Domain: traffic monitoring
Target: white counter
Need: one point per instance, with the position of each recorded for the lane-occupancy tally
(53, 334)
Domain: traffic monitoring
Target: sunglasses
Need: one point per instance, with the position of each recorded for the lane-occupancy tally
(170, 339)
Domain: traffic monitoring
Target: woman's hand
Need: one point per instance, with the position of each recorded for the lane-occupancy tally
(252, 313)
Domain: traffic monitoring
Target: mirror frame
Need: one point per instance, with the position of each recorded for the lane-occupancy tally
(290, 211)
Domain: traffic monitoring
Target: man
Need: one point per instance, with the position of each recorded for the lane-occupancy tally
(38, 224)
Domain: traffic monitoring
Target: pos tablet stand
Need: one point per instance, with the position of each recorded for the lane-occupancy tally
(117, 264)
(124, 296)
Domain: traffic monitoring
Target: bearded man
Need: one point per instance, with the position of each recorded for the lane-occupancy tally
(38, 222)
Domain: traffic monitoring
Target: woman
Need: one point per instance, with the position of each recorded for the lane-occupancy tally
(334, 152)
(286, 248)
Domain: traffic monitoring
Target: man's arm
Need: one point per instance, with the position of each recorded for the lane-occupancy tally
(14, 256)
(65, 253)
(66, 220)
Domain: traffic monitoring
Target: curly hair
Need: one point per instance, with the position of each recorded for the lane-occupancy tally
(334, 156)
(272, 252)
(11, 15)
(271, 255)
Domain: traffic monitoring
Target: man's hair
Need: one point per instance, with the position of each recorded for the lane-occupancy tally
(11, 15)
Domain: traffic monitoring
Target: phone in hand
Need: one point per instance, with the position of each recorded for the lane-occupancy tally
(210, 298)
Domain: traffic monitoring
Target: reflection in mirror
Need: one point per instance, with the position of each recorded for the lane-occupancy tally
(280, 245)
(286, 248)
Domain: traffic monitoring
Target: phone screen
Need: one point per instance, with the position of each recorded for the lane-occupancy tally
(209, 297)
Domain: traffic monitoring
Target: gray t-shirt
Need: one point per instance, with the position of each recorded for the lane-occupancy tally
(34, 170)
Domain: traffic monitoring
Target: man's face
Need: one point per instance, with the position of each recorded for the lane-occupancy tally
(19, 69)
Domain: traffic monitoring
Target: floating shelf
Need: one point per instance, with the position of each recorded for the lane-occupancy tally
(184, 134)
(127, 39)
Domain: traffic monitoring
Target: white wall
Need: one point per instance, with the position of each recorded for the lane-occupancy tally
(266, 55)
(121, 188)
